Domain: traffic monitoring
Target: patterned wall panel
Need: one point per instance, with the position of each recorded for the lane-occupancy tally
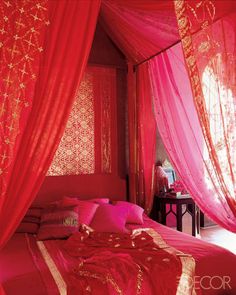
(75, 154)
(86, 146)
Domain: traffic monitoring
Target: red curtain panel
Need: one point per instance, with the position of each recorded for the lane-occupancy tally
(140, 28)
(142, 137)
(133, 137)
(147, 132)
(64, 51)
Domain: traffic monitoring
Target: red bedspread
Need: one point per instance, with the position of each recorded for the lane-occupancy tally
(130, 264)
(19, 272)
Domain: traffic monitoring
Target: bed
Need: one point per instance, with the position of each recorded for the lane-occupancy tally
(28, 266)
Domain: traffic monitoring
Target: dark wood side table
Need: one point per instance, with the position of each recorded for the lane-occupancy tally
(190, 207)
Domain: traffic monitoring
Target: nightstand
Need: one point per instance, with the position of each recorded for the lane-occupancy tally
(184, 204)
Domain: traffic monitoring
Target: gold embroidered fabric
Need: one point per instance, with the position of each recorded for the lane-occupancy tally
(211, 63)
(22, 26)
(105, 279)
(85, 147)
(90, 267)
(60, 283)
(185, 286)
(106, 117)
(75, 154)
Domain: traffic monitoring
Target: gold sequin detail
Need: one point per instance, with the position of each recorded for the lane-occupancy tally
(60, 283)
(76, 153)
(188, 263)
(18, 64)
(104, 279)
(139, 279)
(88, 288)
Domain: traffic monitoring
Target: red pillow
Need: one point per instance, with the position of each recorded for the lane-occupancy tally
(135, 214)
(26, 227)
(109, 218)
(34, 212)
(58, 221)
(86, 209)
(31, 219)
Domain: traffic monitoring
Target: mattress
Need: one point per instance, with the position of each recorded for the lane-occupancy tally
(215, 266)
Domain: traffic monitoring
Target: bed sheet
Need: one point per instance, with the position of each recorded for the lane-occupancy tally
(19, 273)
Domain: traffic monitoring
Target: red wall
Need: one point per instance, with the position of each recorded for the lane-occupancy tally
(103, 53)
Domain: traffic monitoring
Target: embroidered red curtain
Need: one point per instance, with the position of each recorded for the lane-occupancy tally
(57, 73)
(20, 49)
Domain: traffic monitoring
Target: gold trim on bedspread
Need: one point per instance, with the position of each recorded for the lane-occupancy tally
(61, 284)
(185, 286)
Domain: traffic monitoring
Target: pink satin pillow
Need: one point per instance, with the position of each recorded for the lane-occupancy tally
(135, 212)
(86, 209)
(109, 218)
(58, 221)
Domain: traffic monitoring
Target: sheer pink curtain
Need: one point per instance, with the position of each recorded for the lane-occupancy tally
(210, 60)
(142, 28)
(182, 136)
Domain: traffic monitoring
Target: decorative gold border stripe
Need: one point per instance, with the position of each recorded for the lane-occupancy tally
(185, 285)
(61, 284)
